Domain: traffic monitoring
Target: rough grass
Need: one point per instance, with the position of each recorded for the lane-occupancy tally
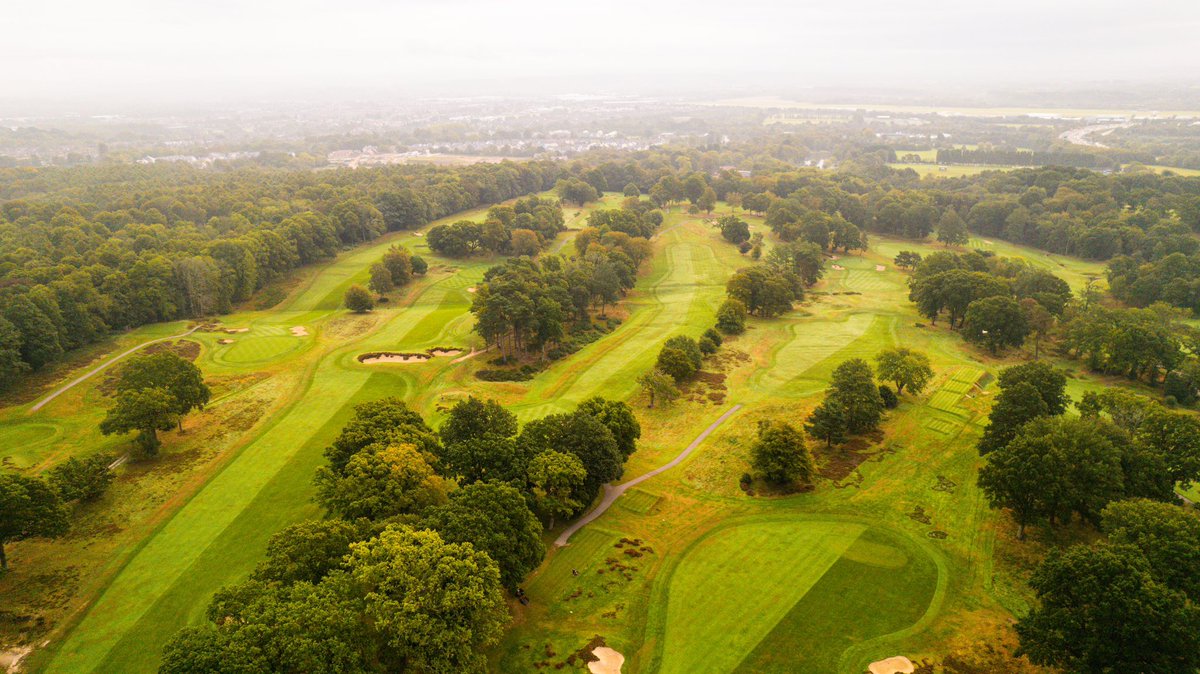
(176, 529)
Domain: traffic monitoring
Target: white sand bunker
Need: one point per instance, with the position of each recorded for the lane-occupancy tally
(471, 289)
(442, 351)
(608, 661)
(234, 331)
(838, 267)
(896, 665)
(987, 242)
(880, 267)
(370, 358)
(299, 331)
(224, 341)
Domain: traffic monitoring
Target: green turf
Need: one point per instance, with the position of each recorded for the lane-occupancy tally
(732, 587)
(881, 585)
(689, 588)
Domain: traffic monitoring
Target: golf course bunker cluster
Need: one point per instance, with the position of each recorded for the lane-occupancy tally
(398, 357)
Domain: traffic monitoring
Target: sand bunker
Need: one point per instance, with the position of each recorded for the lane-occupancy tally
(369, 358)
(441, 351)
(609, 661)
(896, 665)
(838, 267)
(833, 257)
(880, 267)
(300, 331)
(10, 661)
(987, 242)
(471, 289)
(234, 331)
(224, 341)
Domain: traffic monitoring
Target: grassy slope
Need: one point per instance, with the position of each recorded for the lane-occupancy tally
(219, 534)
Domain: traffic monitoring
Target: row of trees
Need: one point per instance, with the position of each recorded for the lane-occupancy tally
(1043, 466)
(521, 229)
(90, 250)
(996, 302)
(528, 306)
(426, 530)
(1128, 602)
(770, 288)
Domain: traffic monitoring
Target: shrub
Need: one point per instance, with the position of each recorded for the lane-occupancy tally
(731, 317)
(707, 346)
(715, 336)
(889, 396)
(358, 299)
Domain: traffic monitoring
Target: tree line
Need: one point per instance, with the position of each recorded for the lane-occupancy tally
(90, 250)
(1129, 601)
(425, 531)
(521, 229)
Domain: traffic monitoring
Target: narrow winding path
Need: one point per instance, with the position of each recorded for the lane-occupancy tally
(611, 493)
(90, 373)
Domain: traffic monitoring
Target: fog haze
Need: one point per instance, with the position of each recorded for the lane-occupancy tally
(202, 51)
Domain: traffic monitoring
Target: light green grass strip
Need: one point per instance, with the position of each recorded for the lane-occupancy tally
(733, 587)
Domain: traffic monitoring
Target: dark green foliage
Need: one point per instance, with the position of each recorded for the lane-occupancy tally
(29, 508)
(780, 455)
(358, 299)
(179, 377)
(582, 435)
(1133, 343)
(995, 323)
(84, 479)
(1102, 611)
(307, 552)
(1051, 384)
(403, 601)
(907, 259)
(715, 336)
(1015, 406)
(904, 367)
(765, 290)
(495, 519)
(419, 265)
(734, 229)
(146, 411)
(618, 418)
(380, 483)
(378, 424)
(828, 422)
(1053, 467)
(731, 317)
(707, 346)
(474, 418)
(853, 386)
(888, 396)
(1167, 535)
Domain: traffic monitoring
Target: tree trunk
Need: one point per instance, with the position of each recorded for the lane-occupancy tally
(3, 558)
(1021, 531)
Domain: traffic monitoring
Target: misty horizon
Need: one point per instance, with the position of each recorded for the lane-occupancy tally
(133, 52)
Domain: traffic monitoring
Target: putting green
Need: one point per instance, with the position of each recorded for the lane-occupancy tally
(790, 595)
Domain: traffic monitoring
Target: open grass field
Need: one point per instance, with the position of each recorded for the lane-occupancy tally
(686, 573)
(949, 170)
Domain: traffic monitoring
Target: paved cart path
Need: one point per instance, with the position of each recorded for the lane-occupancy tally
(611, 493)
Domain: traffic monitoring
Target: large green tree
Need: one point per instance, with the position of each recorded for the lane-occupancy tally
(1101, 612)
(853, 386)
(780, 455)
(380, 484)
(146, 411)
(495, 519)
(29, 508)
(906, 368)
(176, 375)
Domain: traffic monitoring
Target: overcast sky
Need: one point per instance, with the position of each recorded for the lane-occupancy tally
(207, 49)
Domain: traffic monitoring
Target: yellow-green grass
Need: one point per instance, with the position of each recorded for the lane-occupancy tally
(1074, 271)
(216, 536)
(789, 594)
(219, 533)
(1185, 172)
(950, 170)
